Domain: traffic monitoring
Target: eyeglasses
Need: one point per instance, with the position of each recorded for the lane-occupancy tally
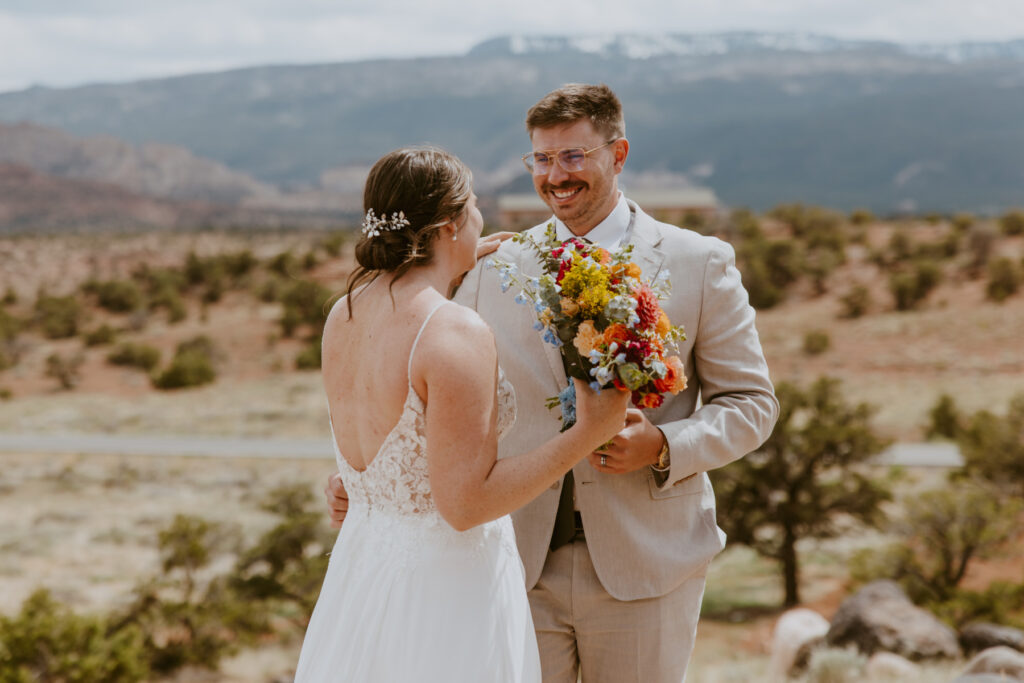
(571, 159)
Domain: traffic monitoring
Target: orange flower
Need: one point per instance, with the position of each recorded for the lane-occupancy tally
(616, 333)
(587, 338)
(601, 256)
(627, 270)
(674, 380)
(663, 325)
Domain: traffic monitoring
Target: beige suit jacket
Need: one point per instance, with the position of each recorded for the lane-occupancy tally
(644, 539)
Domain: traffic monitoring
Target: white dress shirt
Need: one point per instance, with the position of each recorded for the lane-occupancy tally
(609, 233)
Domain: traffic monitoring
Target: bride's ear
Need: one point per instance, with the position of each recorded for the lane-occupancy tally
(450, 230)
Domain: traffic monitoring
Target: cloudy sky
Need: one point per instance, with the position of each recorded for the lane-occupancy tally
(71, 42)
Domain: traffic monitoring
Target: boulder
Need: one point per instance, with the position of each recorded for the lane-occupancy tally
(793, 630)
(981, 636)
(1000, 660)
(880, 617)
(888, 666)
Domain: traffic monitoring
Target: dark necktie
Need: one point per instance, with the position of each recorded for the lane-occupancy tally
(565, 518)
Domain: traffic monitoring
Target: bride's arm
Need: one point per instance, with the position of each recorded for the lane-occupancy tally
(457, 361)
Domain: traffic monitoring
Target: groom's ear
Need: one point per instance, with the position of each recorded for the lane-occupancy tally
(621, 149)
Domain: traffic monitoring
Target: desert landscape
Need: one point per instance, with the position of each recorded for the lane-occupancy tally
(86, 527)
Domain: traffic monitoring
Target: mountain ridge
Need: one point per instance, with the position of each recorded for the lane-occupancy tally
(860, 124)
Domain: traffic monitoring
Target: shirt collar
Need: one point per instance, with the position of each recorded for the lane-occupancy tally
(609, 233)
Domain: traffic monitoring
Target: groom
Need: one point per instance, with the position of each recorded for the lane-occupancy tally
(616, 553)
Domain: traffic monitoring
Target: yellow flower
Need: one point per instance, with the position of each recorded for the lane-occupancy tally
(588, 284)
(587, 338)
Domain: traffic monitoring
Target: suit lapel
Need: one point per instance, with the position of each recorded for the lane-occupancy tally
(645, 239)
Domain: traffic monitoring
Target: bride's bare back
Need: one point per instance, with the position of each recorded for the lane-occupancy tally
(365, 361)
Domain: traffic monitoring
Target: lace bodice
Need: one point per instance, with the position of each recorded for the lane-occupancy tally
(396, 479)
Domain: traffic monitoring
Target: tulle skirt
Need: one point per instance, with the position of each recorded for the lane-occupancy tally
(408, 598)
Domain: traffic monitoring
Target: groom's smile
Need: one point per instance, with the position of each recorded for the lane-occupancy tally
(580, 198)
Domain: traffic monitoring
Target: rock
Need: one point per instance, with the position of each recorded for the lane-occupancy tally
(981, 636)
(985, 678)
(1000, 660)
(889, 666)
(793, 630)
(880, 617)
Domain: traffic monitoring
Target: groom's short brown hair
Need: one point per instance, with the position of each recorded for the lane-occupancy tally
(575, 101)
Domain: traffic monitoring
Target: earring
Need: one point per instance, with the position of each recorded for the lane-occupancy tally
(455, 236)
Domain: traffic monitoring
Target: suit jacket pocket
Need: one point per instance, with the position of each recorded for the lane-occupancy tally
(689, 486)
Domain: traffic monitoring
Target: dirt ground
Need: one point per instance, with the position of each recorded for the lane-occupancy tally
(85, 526)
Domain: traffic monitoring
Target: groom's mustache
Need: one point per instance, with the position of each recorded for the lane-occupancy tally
(568, 185)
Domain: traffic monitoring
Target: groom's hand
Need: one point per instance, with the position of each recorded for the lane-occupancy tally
(337, 500)
(636, 446)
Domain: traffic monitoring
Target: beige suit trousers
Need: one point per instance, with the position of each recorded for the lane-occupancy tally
(582, 628)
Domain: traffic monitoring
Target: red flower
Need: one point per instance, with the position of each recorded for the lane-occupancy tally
(647, 308)
(647, 400)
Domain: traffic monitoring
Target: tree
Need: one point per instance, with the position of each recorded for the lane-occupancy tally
(941, 532)
(805, 479)
(993, 446)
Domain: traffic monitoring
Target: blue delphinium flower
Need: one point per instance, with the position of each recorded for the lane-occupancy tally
(567, 402)
(551, 338)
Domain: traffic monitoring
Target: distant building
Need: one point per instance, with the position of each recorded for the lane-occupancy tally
(518, 211)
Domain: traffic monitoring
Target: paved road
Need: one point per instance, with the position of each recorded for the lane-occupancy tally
(906, 454)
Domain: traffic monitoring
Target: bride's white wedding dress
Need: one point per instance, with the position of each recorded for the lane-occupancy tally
(406, 596)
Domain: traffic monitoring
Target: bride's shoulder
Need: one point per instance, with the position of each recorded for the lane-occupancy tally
(462, 321)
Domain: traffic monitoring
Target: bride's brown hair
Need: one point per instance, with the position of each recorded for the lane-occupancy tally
(426, 184)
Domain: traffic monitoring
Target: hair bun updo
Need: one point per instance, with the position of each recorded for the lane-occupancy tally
(429, 186)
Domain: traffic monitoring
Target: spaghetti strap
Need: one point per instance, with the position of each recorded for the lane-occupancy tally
(408, 371)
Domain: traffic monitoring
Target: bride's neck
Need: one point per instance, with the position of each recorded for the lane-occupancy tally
(422, 277)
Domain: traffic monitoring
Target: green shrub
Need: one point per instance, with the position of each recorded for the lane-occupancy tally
(333, 244)
(856, 302)
(910, 288)
(942, 532)
(5, 395)
(993, 448)
(981, 240)
(309, 357)
(117, 296)
(305, 303)
(191, 366)
(140, 356)
(1003, 279)
(861, 217)
(900, 245)
(1012, 222)
(10, 297)
(10, 326)
(816, 342)
(65, 369)
(58, 316)
(284, 264)
(945, 421)
(104, 334)
(818, 228)
(962, 222)
(46, 641)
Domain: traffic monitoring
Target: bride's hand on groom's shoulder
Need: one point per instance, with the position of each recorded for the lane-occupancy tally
(490, 243)
(337, 500)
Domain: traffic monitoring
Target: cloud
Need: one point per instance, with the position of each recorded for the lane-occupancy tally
(70, 42)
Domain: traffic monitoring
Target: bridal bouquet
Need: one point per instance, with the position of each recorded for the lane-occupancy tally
(597, 308)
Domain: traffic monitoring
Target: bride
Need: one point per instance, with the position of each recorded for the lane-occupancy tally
(424, 582)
